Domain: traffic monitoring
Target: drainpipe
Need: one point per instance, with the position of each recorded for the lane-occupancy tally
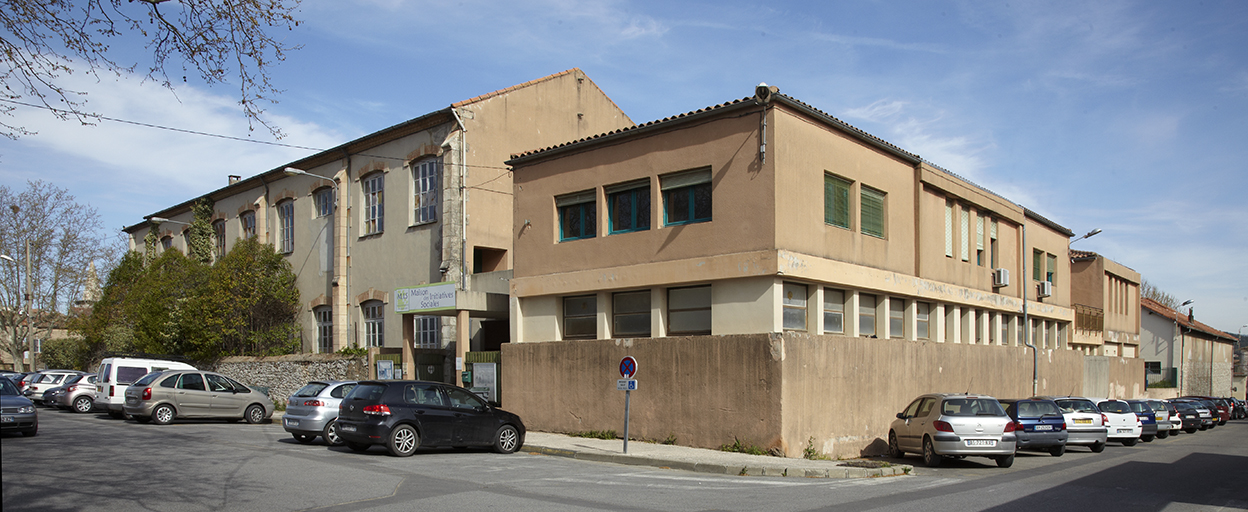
(1035, 357)
(463, 202)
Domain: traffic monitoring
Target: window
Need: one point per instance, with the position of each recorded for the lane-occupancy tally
(186, 239)
(1152, 367)
(836, 201)
(286, 222)
(1051, 275)
(689, 310)
(193, 381)
(324, 199)
(922, 318)
(579, 317)
(578, 216)
(630, 314)
(324, 329)
(687, 197)
(833, 311)
(979, 240)
(374, 203)
(166, 243)
(896, 317)
(872, 212)
(428, 331)
(966, 233)
(992, 245)
(1036, 257)
(794, 307)
(425, 180)
(629, 207)
(866, 314)
(1005, 330)
(218, 231)
(374, 323)
(949, 228)
(247, 222)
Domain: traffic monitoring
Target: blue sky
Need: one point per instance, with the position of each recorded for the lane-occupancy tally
(1125, 116)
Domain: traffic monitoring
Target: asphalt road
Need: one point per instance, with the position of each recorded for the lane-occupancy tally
(92, 462)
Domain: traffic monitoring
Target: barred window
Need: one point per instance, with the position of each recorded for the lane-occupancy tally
(374, 323)
(286, 231)
(374, 203)
(324, 329)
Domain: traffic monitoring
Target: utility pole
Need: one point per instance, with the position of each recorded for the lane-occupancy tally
(30, 342)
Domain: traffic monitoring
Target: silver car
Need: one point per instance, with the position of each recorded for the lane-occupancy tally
(161, 397)
(47, 379)
(313, 410)
(79, 396)
(1084, 422)
(953, 425)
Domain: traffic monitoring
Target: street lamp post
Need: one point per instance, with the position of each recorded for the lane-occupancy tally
(1182, 342)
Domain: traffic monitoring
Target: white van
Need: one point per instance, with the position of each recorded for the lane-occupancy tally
(117, 373)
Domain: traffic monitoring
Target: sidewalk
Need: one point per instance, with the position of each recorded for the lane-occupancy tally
(696, 459)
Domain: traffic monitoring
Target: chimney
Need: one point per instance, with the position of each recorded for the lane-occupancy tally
(234, 178)
(1190, 317)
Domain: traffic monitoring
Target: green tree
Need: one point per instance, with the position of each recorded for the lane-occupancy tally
(110, 325)
(223, 41)
(200, 233)
(64, 353)
(164, 320)
(249, 306)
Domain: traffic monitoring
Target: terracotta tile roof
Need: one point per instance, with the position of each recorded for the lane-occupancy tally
(1194, 325)
(1078, 255)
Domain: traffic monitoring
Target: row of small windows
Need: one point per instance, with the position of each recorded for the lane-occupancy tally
(837, 207)
(688, 313)
(985, 232)
(428, 329)
(686, 199)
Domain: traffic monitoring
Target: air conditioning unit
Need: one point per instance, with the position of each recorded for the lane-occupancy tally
(1046, 289)
(1000, 277)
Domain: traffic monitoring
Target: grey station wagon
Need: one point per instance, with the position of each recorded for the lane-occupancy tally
(953, 425)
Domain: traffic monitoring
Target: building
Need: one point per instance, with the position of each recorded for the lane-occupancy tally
(1106, 296)
(1183, 353)
(767, 264)
(401, 236)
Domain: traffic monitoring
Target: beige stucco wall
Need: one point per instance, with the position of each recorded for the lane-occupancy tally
(775, 390)
(1042, 237)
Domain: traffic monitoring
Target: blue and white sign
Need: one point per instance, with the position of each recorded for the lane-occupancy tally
(420, 299)
(626, 385)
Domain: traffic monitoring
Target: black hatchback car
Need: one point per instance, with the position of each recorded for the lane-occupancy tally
(404, 415)
(1039, 424)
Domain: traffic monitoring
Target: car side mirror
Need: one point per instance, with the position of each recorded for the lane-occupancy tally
(901, 415)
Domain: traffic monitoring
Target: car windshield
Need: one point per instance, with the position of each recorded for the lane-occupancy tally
(312, 389)
(1184, 407)
(7, 387)
(147, 379)
(1077, 406)
(369, 392)
(1115, 407)
(971, 407)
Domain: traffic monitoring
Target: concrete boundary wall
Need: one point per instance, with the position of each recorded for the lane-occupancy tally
(284, 375)
(779, 391)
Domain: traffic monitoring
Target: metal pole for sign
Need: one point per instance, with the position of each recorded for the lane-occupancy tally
(627, 396)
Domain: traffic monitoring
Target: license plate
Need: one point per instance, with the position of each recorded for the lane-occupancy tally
(6, 419)
(1085, 421)
(981, 442)
(1124, 431)
(347, 428)
(1161, 417)
(1043, 427)
(292, 423)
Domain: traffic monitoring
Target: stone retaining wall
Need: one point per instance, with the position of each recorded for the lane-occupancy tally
(284, 375)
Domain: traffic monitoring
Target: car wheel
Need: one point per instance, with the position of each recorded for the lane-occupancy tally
(31, 432)
(507, 440)
(330, 434)
(930, 457)
(358, 447)
(1057, 451)
(254, 414)
(1098, 447)
(1005, 461)
(1163, 434)
(403, 441)
(304, 438)
(84, 404)
(162, 415)
(1129, 442)
(1147, 439)
(894, 451)
(1190, 430)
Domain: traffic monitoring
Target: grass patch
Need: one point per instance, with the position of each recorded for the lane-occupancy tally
(279, 405)
(596, 434)
(739, 447)
(671, 439)
(869, 464)
(811, 453)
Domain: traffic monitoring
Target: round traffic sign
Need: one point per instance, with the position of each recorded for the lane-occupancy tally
(628, 367)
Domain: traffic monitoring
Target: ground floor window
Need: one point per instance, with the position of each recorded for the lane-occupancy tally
(833, 311)
(428, 331)
(794, 307)
(579, 317)
(374, 323)
(630, 314)
(324, 329)
(866, 315)
(689, 310)
(896, 317)
(922, 319)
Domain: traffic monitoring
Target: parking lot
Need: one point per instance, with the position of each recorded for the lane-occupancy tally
(92, 462)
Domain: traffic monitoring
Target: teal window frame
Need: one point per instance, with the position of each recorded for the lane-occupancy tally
(638, 198)
(584, 206)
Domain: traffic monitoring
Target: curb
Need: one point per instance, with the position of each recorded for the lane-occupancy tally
(720, 469)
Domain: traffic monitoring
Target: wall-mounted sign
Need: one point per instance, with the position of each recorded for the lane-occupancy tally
(420, 299)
